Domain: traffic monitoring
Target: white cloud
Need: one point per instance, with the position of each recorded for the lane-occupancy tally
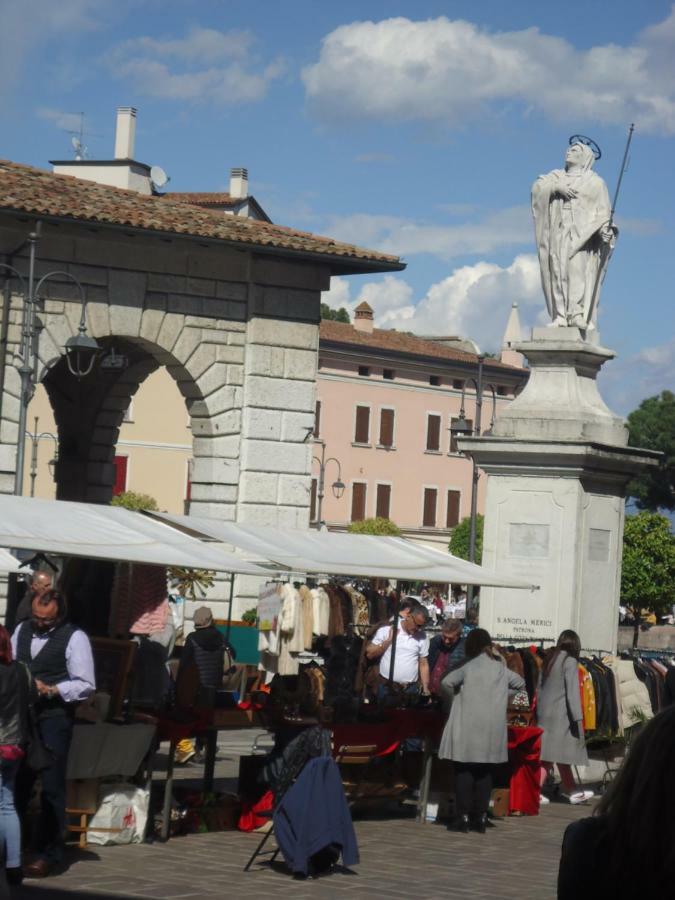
(204, 65)
(626, 382)
(440, 70)
(473, 301)
(405, 237)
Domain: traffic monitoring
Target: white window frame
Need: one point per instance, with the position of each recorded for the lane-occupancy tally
(429, 487)
(458, 490)
(433, 412)
(393, 431)
(388, 484)
(368, 443)
(352, 482)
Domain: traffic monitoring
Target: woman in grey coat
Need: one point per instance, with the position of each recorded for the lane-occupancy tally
(474, 737)
(560, 715)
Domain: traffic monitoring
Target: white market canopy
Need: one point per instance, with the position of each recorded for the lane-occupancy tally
(90, 530)
(8, 563)
(335, 553)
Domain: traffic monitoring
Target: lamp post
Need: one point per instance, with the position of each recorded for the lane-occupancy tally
(462, 428)
(35, 437)
(80, 351)
(338, 486)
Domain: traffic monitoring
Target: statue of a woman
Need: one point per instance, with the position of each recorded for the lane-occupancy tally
(572, 214)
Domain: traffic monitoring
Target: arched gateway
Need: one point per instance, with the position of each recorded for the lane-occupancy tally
(230, 306)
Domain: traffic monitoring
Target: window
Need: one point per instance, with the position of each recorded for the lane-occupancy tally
(453, 440)
(434, 381)
(362, 426)
(429, 512)
(452, 518)
(364, 370)
(317, 419)
(386, 428)
(433, 432)
(312, 501)
(358, 501)
(383, 501)
(120, 463)
(458, 384)
(388, 374)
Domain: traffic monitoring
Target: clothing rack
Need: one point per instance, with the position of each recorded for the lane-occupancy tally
(639, 653)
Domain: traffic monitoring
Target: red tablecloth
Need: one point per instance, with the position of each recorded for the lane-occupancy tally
(387, 735)
(524, 751)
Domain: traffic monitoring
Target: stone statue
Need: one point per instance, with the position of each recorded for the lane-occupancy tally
(575, 237)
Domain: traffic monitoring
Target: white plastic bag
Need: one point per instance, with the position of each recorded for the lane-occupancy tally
(121, 815)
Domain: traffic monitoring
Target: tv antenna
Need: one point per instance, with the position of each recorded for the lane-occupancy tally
(158, 177)
(77, 138)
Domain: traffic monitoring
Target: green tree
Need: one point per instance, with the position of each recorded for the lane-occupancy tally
(461, 535)
(132, 500)
(648, 566)
(378, 525)
(335, 315)
(652, 426)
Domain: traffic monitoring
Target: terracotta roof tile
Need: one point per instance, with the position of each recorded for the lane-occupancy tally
(400, 342)
(203, 198)
(34, 191)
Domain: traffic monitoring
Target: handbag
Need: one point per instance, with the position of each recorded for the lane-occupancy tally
(38, 756)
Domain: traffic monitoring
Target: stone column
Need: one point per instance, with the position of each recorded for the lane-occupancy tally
(557, 465)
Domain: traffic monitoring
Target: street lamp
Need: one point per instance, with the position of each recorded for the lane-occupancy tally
(35, 438)
(338, 486)
(81, 351)
(462, 428)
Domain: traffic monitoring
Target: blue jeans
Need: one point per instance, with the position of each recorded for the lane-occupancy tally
(10, 830)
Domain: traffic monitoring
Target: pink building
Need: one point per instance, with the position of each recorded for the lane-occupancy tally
(385, 404)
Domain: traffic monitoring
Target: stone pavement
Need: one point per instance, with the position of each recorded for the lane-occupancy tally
(517, 859)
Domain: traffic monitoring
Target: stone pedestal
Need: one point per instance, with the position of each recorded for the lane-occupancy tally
(557, 466)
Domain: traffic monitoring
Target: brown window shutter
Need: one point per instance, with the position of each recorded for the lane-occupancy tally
(317, 419)
(429, 516)
(383, 501)
(387, 428)
(358, 501)
(433, 433)
(361, 432)
(312, 501)
(453, 509)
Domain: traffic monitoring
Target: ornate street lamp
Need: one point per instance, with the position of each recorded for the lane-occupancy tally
(462, 428)
(80, 351)
(338, 486)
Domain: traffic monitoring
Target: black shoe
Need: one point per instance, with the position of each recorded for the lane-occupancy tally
(480, 823)
(14, 875)
(461, 824)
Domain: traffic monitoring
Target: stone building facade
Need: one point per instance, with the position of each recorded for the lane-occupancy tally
(229, 306)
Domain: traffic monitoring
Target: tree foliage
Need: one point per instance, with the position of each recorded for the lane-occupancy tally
(652, 426)
(378, 525)
(648, 566)
(132, 500)
(461, 537)
(335, 315)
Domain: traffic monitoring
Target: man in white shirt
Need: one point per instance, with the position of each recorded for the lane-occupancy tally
(411, 664)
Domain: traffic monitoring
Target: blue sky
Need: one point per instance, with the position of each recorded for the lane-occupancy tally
(416, 128)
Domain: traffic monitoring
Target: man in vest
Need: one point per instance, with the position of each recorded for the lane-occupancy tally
(60, 659)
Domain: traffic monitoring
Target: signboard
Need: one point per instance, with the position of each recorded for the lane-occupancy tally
(269, 604)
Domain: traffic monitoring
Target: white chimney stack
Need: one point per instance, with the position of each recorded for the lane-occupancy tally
(125, 133)
(239, 183)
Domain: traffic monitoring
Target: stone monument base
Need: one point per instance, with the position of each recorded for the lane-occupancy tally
(557, 466)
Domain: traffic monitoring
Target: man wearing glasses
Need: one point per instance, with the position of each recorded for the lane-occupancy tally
(411, 664)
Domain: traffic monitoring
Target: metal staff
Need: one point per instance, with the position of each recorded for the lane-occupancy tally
(610, 249)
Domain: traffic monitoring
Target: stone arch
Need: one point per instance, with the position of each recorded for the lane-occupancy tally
(205, 359)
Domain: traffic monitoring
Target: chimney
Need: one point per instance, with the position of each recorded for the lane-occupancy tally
(239, 183)
(512, 336)
(363, 318)
(125, 132)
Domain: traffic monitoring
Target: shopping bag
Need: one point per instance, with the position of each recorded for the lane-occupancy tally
(121, 815)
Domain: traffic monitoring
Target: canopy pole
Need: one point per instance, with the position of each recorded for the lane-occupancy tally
(229, 609)
(397, 608)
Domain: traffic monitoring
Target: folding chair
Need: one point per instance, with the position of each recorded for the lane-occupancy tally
(259, 849)
(358, 757)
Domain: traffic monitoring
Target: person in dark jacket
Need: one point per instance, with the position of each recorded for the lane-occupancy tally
(446, 652)
(205, 650)
(16, 692)
(626, 850)
(60, 660)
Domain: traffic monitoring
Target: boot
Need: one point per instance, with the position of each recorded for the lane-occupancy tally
(480, 824)
(462, 824)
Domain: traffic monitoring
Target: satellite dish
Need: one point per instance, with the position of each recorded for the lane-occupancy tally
(158, 176)
(81, 151)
